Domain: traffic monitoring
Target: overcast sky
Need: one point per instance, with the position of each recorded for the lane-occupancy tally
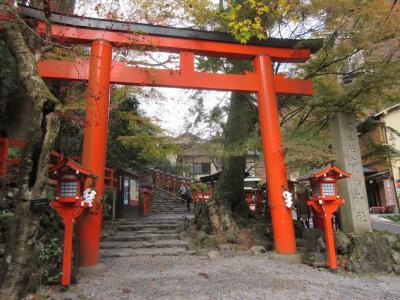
(171, 110)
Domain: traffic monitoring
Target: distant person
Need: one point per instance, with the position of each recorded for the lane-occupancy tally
(188, 198)
(182, 191)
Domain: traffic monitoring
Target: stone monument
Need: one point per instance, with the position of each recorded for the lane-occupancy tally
(354, 214)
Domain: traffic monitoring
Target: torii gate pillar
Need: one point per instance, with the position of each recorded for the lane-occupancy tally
(95, 146)
(282, 223)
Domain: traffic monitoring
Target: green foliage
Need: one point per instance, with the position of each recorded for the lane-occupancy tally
(48, 247)
(380, 151)
(132, 137)
(6, 217)
(306, 149)
(395, 218)
(178, 168)
(250, 18)
(49, 252)
(107, 205)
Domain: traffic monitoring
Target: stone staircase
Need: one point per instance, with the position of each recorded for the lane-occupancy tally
(157, 234)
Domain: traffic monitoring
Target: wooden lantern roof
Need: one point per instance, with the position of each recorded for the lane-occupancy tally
(326, 170)
(68, 162)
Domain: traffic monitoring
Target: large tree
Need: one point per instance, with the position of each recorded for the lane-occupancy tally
(37, 122)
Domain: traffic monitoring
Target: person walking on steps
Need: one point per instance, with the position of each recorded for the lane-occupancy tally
(188, 198)
(182, 191)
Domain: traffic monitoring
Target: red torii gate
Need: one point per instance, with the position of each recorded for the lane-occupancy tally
(100, 71)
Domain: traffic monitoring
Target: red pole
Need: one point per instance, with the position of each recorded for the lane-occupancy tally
(3, 156)
(328, 210)
(95, 146)
(282, 223)
(67, 254)
(248, 196)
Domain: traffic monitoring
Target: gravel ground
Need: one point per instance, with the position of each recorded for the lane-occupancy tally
(237, 277)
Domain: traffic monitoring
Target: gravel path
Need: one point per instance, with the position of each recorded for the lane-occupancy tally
(237, 277)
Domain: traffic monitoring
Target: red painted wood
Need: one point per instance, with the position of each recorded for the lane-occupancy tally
(95, 147)
(123, 74)
(281, 216)
(77, 35)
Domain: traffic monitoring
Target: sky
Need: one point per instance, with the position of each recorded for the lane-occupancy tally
(171, 110)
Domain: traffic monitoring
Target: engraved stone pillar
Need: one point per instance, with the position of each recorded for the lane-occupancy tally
(354, 214)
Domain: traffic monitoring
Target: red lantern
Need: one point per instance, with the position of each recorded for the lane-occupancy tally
(325, 201)
(69, 204)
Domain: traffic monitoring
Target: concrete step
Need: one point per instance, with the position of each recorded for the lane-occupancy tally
(168, 205)
(159, 211)
(147, 231)
(135, 227)
(125, 252)
(172, 201)
(150, 231)
(145, 244)
(142, 237)
(175, 211)
(150, 220)
(168, 208)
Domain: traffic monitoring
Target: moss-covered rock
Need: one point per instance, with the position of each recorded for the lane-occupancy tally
(203, 239)
(371, 252)
(342, 242)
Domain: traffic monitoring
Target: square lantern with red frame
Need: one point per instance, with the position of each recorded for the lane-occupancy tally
(325, 201)
(70, 202)
(70, 178)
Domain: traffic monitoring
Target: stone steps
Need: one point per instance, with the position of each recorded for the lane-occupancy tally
(168, 212)
(149, 231)
(151, 221)
(143, 237)
(125, 252)
(137, 227)
(146, 244)
(155, 235)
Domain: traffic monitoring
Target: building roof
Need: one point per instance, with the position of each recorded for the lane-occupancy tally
(215, 176)
(379, 175)
(386, 111)
(128, 172)
(369, 170)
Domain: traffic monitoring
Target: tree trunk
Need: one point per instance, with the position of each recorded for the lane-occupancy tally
(40, 135)
(228, 203)
(240, 124)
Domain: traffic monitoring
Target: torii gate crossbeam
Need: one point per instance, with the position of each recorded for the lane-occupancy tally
(101, 71)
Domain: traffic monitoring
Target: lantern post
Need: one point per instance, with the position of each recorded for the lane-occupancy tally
(162, 181)
(147, 189)
(70, 202)
(248, 198)
(325, 201)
